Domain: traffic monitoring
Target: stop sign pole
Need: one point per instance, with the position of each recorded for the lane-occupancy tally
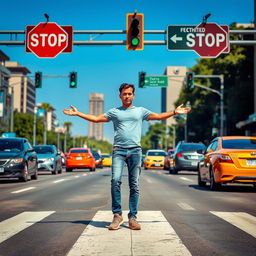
(208, 40)
(47, 40)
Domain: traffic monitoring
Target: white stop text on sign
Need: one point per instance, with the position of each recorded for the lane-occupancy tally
(51, 40)
(208, 40)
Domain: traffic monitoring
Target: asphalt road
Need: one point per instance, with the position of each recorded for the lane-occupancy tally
(46, 217)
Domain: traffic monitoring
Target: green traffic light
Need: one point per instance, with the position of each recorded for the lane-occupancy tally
(135, 41)
(72, 83)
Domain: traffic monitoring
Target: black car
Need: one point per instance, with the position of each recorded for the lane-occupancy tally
(17, 159)
(98, 160)
(187, 156)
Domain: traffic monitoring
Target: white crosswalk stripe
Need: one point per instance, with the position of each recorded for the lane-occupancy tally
(242, 220)
(157, 237)
(19, 222)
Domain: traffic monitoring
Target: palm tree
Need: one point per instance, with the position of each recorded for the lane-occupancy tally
(67, 126)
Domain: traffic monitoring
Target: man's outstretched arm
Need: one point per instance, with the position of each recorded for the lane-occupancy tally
(92, 118)
(165, 115)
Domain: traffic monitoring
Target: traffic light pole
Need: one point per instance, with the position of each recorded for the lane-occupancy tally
(15, 33)
(220, 93)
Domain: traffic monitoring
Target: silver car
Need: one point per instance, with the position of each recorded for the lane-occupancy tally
(49, 158)
(187, 156)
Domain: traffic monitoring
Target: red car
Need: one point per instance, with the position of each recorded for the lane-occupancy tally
(80, 158)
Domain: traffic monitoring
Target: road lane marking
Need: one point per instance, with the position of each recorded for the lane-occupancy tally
(77, 176)
(57, 181)
(241, 220)
(22, 190)
(148, 180)
(186, 179)
(16, 224)
(185, 206)
(84, 174)
(157, 237)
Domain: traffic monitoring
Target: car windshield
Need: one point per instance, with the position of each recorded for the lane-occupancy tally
(10, 146)
(43, 150)
(156, 153)
(105, 156)
(239, 144)
(79, 151)
(96, 155)
(192, 147)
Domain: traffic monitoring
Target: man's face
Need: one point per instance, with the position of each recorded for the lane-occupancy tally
(127, 96)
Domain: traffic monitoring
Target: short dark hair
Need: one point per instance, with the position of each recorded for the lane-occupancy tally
(126, 86)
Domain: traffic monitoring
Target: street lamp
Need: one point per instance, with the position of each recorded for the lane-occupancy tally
(34, 126)
(188, 105)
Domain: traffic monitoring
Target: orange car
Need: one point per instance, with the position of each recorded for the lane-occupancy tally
(80, 158)
(229, 159)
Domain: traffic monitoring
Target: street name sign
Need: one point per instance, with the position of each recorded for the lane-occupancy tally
(156, 81)
(208, 40)
(47, 40)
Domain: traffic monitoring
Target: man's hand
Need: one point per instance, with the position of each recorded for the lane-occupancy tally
(180, 110)
(71, 112)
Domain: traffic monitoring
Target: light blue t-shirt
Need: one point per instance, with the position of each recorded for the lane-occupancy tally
(127, 125)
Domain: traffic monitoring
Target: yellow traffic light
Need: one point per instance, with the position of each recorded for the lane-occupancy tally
(134, 31)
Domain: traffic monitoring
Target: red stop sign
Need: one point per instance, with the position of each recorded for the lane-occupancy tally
(47, 40)
(211, 40)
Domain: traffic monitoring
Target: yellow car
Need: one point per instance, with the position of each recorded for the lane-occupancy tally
(107, 159)
(154, 159)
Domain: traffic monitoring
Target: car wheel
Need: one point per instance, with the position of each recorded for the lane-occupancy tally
(35, 176)
(175, 170)
(60, 170)
(55, 170)
(24, 177)
(213, 185)
(145, 168)
(199, 180)
(68, 169)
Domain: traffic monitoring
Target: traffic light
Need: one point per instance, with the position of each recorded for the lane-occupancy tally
(190, 79)
(134, 31)
(142, 79)
(38, 79)
(73, 79)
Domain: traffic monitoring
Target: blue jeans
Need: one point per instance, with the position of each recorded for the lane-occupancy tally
(132, 157)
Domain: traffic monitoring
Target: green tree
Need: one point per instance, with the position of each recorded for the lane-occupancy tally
(237, 68)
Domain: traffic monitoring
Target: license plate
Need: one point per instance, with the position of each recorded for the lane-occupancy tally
(157, 164)
(193, 157)
(79, 158)
(1, 169)
(250, 162)
(194, 163)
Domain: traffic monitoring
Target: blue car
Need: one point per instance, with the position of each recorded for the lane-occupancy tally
(49, 158)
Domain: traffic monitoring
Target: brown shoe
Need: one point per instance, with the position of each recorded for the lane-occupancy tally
(117, 221)
(133, 224)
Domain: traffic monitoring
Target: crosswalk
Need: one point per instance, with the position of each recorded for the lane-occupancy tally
(157, 236)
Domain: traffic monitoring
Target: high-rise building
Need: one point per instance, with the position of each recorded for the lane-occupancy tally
(96, 107)
(171, 93)
(24, 93)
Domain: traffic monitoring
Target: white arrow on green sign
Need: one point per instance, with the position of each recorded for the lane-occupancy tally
(156, 81)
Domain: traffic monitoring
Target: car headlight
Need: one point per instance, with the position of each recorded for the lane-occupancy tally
(49, 159)
(17, 160)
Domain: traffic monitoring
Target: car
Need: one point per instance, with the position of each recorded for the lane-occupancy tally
(17, 159)
(80, 158)
(187, 156)
(49, 158)
(228, 159)
(154, 158)
(98, 159)
(142, 159)
(107, 159)
(168, 161)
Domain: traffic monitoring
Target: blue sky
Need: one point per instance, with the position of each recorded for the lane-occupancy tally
(102, 69)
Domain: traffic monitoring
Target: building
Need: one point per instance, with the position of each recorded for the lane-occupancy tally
(21, 87)
(96, 107)
(171, 93)
(5, 96)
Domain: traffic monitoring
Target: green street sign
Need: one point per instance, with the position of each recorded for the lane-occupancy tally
(156, 81)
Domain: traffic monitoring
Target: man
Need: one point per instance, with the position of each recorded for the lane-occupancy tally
(127, 121)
